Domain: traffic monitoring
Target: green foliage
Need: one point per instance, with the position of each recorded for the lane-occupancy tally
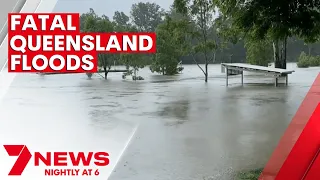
(190, 33)
(314, 61)
(249, 175)
(146, 16)
(91, 22)
(94, 23)
(121, 23)
(171, 45)
(227, 31)
(133, 63)
(305, 61)
(121, 19)
(201, 29)
(259, 52)
(278, 20)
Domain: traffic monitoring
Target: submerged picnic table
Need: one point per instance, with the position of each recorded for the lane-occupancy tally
(238, 68)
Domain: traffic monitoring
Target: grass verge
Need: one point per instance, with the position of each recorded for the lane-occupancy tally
(249, 175)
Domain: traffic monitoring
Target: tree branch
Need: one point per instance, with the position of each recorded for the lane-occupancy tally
(211, 58)
(194, 59)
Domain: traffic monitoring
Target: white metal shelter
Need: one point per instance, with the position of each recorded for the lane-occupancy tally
(238, 68)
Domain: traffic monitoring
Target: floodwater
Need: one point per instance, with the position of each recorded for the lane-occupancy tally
(167, 128)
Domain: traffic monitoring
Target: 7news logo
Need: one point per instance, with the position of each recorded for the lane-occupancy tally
(57, 159)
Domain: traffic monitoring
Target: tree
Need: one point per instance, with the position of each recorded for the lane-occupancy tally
(279, 20)
(121, 19)
(146, 16)
(84, 16)
(259, 52)
(133, 63)
(171, 46)
(94, 23)
(201, 12)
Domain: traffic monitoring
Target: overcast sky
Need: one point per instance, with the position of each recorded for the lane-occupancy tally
(107, 7)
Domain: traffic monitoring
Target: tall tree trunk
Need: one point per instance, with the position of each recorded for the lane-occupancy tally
(206, 74)
(276, 54)
(284, 62)
(105, 72)
(280, 53)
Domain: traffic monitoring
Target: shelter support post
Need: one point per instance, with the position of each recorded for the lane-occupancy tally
(227, 76)
(287, 79)
(242, 78)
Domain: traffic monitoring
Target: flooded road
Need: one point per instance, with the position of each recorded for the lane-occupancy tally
(179, 128)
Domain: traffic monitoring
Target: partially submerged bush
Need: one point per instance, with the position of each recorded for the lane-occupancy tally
(89, 75)
(305, 61)
(135, 78)
(315, 61)
(133, 74)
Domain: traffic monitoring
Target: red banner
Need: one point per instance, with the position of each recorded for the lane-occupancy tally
(296, 156)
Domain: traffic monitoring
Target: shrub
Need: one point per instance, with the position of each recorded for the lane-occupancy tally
(89, 75)
(317, 60)
(135, 78)
(303, 61)
(314, 61)
(180, 69)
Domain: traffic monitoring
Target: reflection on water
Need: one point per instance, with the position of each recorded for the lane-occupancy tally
(189, 130)
(175, 113)
(261, 100)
